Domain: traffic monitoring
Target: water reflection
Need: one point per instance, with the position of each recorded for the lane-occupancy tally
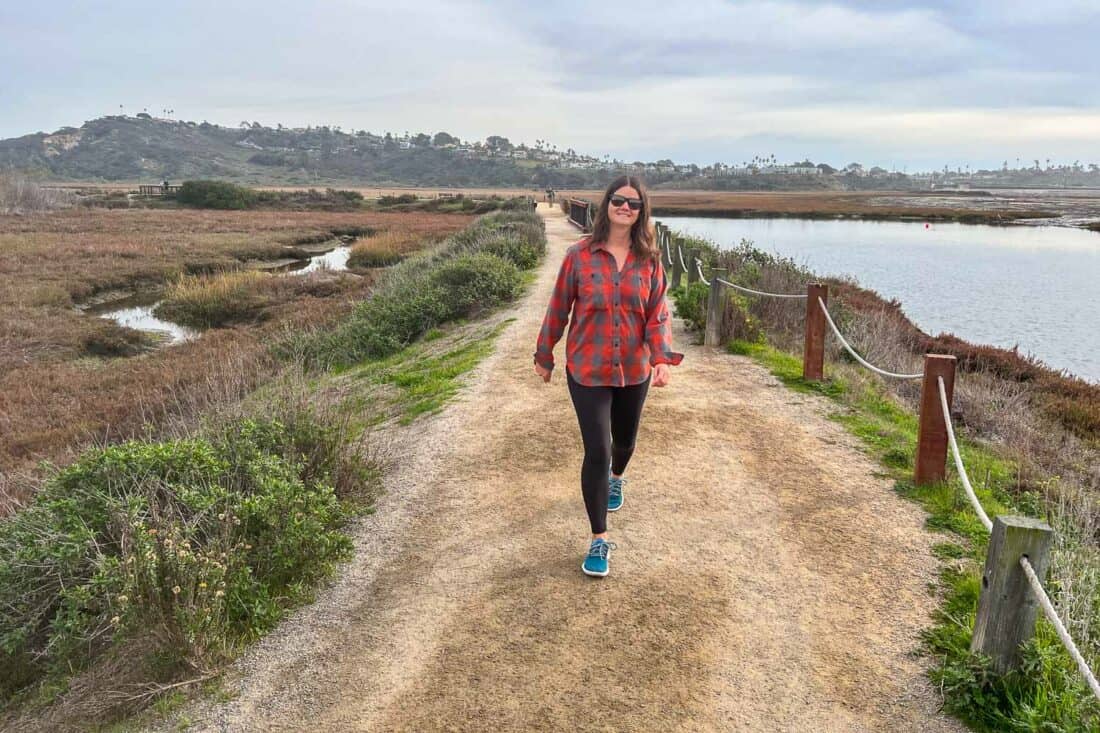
(136, 311)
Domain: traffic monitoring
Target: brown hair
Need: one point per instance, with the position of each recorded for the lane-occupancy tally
(643, 238)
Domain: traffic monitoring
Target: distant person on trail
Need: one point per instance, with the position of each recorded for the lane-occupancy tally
(620, 340)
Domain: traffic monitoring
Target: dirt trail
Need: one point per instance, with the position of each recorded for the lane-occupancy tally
(764, 579)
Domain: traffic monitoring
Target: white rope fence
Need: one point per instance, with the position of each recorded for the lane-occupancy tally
(856, 356)
(1032, 578)
(680, 251)
(986, 522)
(758, 292)
(668, 251)
(699, 267)
(1056, 622)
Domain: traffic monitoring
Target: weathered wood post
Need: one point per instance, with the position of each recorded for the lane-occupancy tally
(1007, 607)
(716, 308)
(693, 271)
(813, 352)
(677, 270)
(931, 460)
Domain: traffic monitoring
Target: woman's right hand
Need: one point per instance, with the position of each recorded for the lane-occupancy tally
(542, 372)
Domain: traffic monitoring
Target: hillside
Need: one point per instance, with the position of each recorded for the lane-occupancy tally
(123, 148)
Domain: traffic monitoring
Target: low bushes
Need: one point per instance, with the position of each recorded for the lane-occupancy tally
(458, 204)
(215, 195)
(208, 194)
(474, 270)
(472, 283)
(195, 545)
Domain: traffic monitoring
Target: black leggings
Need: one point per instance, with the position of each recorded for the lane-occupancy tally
(609, 418)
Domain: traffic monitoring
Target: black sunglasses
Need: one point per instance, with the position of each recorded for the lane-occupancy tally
(617, 201)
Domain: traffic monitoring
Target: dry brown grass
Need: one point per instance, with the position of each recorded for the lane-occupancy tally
(383, 249)
(55, 398)
(20, 196)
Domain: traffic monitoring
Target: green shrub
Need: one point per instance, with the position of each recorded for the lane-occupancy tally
(691, 304)
(216, 195)
(508, 247)
(200, 543)
(385, 324)
(474, 270)
(473, 283)
(405, 198)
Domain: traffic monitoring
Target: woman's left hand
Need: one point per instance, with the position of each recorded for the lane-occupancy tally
(661, 375)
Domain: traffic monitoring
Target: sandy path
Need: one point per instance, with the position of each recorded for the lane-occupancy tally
(764, 580)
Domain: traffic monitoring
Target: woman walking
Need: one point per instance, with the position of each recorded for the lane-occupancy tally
(619, 341)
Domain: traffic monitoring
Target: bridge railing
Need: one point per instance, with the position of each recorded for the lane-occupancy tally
(1011, 592)
(582, 213)
(157, 190)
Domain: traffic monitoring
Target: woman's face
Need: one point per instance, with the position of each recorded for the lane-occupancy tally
(623, 214)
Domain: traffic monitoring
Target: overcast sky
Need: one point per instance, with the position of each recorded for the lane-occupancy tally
(892, 83)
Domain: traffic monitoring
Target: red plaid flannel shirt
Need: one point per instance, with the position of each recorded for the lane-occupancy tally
(620, 327)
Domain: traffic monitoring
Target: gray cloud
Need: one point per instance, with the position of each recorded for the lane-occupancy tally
(905, 82)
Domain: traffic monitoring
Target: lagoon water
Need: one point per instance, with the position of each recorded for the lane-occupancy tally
(137, 311)
(1038, 287)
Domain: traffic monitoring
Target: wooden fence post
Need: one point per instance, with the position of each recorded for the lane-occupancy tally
(693, 270)
(813, 352)
(1007, 607)
(931, 459)
(677, 270)
(716, 308)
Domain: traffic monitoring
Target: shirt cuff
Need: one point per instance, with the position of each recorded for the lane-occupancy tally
(543, 362)
(668, 357)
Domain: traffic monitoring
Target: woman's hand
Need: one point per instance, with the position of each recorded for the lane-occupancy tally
(542, 372)
(661, 375)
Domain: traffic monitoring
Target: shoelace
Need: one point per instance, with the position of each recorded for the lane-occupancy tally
(616, 485)
(600, 549)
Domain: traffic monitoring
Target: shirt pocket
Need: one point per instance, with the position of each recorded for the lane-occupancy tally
(592, 293)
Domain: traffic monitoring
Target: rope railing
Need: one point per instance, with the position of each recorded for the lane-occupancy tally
(856, 356)
(680, 252)
(986, 522)
(699, 267)
(668, 252)
(759, 292)
(1033, 580)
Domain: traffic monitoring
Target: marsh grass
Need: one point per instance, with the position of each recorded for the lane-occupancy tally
(205, 301)
(62, 384)
(384, 249)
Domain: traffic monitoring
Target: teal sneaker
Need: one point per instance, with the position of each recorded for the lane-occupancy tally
(615, 493)
(595, 562)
